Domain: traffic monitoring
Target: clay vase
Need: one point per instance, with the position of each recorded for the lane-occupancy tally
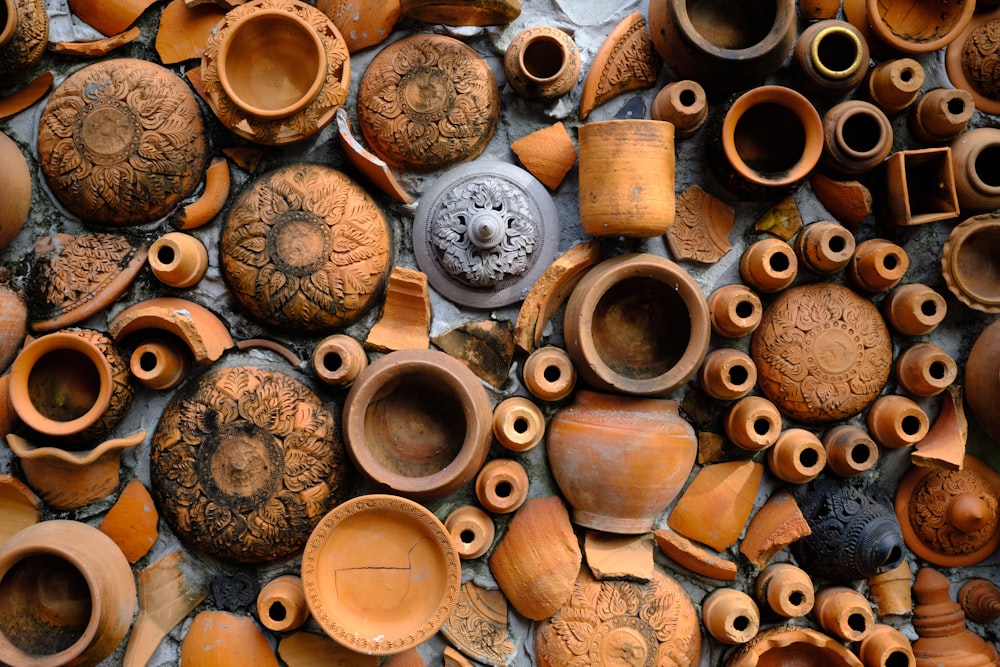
(24, 34)
(727, 374)
(542, 63)
(924, 369)
(637, 324)
(682, 103)
(617, 159)
(975, 158)
(160, 363)
(67, 596)
(793, 646)
(15, 183)
(944, 638)
(518, 424)
(502, 486)
(472, 531)
(730, 616)
(855, 533)
(832, 57)
(281, 604)
(897, 421)
(178, 260)
(941, 115)
(857, 137)
(918, 27)
(797, 457)
(753, 423)
(886, 647)
(824, 247)
(914, 309)
(338, 360)
(72, 384)
(849, 451)
(549, 374)
(970, 262)
(13, 321)
(893, 85)
(785, 590)
(619, 461)
(982, 380)
(769, 265)
(877, 265)
(723, 45)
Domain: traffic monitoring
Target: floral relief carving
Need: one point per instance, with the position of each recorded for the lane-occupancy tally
(981, 60)
(247, 464)
(627, 60)
(929, 507)
(701, 227)
(478, 626)
(122, 142)
(29, 40)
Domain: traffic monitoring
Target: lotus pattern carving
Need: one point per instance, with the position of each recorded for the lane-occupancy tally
(929, 511)
(981, 59)
(28, 42)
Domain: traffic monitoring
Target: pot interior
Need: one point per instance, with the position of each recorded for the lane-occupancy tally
(770, 139)
(64, 385)
(733, 24)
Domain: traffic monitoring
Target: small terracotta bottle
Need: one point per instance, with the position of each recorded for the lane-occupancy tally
(178, 260)
(472, 531)
(785, 590)
(941, 114)
(890, 591)
(518, 424)
(769, 265)
(886, 647)
(914, 309)
(824, 247)
(832, 57)
(844, 613)
(850, 451)
(730, 616)
(281, 604)
(160, 364)
(878, 265)
(924, 369)
(980, 600)
(857, 137)
(682, 103)
(893, 85)
(944, 638)
(549, 374)
(338, 360)
(753, 423)
(727, 374)
(975, 156)
(502, 486)
(896, 422)
(797, 457)
(542, 63)
(735, 311)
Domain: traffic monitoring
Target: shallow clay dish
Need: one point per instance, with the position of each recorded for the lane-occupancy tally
(380, 574)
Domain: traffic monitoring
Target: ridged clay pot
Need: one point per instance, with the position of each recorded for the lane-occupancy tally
(970, 262)
(918, 27)
(850, 451)
(824, 247)
(542, 63)
(832, 57)
(730, 616)
(637, 324)
(940, 115)
(980, 600)
(914, 309)
(857, 137)
(943, 638)
(15, 182)
(785, 590)
(975, 157)
(735, 310)
(619, 461)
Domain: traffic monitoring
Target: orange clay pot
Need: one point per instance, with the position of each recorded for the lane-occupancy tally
(824, 247)
(735, 311)
(982, 379)
(753, 423)
(549, 373)
(13, 323)
(281, 604)
(769, 265)
(844, 613)
(919, 186)
(918, 27)
(178, 260)
(518, 424)
(338, 360)
(832, 57)
(893, 85)
(914, 309)
(970, 261)
(940, 115)
(542, 63)
(730, 616)
(850, 451)
(797, 457)
(890, 591)
(975, 156)
(878, 265)
(924, 369)
(160, 363)
(785, 590)
(943, 638)
(793, 646)
(218, 638)
(472, 531)
(886, 647)
(857, 137)
(15, 183)
(896, 422)
(727, 374)
(682, 103)
(502, 486)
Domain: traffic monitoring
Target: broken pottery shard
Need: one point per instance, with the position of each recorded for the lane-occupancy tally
(849, 202)
(199, 328)
(710, 447)
(486, 347)
(701, 227)
(246, 158)
(362, 23)
(110, 17)
(717, 504)
(548, 154)
(372, 166)
(944, 445)
(19, 507)
(776, 524)
(619, 556)
(694, 557)
(18, 101)
(213, 198)
(184, 30)
(783, 219)
(131, 522)
(478, 626)
(626, 61)
(306, 649)
(95, 48)
(406, 315)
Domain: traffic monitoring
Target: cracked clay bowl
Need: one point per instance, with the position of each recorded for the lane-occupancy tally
(380, 574)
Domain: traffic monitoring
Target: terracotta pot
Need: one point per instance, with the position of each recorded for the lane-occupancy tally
(619, 461)
(472, 531)
(72, 384)
(824, 247)
(16, 184)
(67, 595)
(943, 638)
(924, 369)
(715, 506)
(682, 103)
(178, 260)
(618, 158)
(890, 591)
(982, 379)
(338, 360)
(769, 265)
(753, 423)
(849, 451)
(878, 265)
(920, 186)
(518, 424)
(723, 45)
(844, 613)
(797, 457)
(886, 647)
(218, 638)
(735, 310)
(502, 486)
(857, 137)
(968, 58)
(418, 422)
(980, 600)
(24, 33)
(896, 422)
(727, 374)
(832, 57)
(20, 507)
(160, 363)
(793, 646)
(969, 262)
(893, 85)
(13, 322)
(975, 156)
(918, 27)
(542, 63)
(281, 604)
(785, 590)
(941, 115)
(549, 373)
(637, 324)
(914, 309)
(730, 616)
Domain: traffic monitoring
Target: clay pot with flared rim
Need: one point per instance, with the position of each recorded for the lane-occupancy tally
(418, 422)
(893, 85)
(160, 363)
(982, 379)
(727, 374)
(15, 183)
(735, 311)
(549, 373)
(518, 424)
(886, 647)
(619, 460)
(896, 422)
(825, 247)
(850, 451)
(769, 265)
(502, 486)
(281, 604)
(924, 369)
(682, 103)
(67, 596)
(637, 324)
(272, 64)
(785, 590)
(793, 646)
(975, 156)
(857, 137)
(797, 456)
(723, 44)
(472, 531)
(970, 262)
(753, 159)
(178, 260)
(878, 265)
(844, 613)
(940, 115)
(617, 159)
(921, 26)
(914, 309)
(832, 57)
(730, 616)
(338, 360)
(753, 423)
(542, 63)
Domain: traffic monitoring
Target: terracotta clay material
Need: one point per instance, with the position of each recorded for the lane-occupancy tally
(914, 309)
(735, 311)
(21, 507)
(753, 423)
(637, 324)
(26, 97)
(886, 647)
(518, 424)
(730, 616)
(451, 12)
(619, 556)
(769, 266)
(549, 373)
(969, 262)
(95, 48)
(305, 649)
(217, 638)
(478, 626)
(694, 557)
(844, 613)
(13, 322)
(472, 531)
(943, 638)
(362, 23)
(547, 153)
(542, 63)
(850, 451)
(701, 227)
(980, 600)
(813, 10)
(371, 166)
(893, 85)
(793, 647)
(338, 360)
(896, 422)
(777, 524)
(24, 32)
(924, 369)
(682, 103)
(941, 115)
(183, 30)
(406, 314)
(982, 379)
(418, 422)
(832, 57)
(850, 202)
(857, 137)
(968, 55)
(824, 247)
(502, 486)
(205, 335)
(131, 521)
(890, 591)
(727, 374)
(410, 658)
(877, 265)
(918, 27)
(920, 186)
(281, 605)
(160, 363)
(716, 505)
(626, 61)
(785, 590)
(975, 157)
(797, 457)
(16, 183)
(178, 260)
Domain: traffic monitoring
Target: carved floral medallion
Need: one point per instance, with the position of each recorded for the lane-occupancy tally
(121, 142)
(980, 59)
(305, 248)
(478, 626)
(26, 44)
(428, 101)
(246, 464)
(823, 353)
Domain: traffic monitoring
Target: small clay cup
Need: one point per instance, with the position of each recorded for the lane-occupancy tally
(753, 423)
(797, 457)
(735, 310)
(924, 369)
(893, 85)
(769, 265)
(502, 486)
(160, 363)
(844, 613)
(542, 63)
(281, 604)
(178, 260)
(730, 616)
(518, 424)
(338, 360)
(940, 115)
(914, 309)
(785, 590)
(472, 531)
(682, 103)
(549, 373)
(727, 374)
(850, 451)
(896, 422)
(877, 265)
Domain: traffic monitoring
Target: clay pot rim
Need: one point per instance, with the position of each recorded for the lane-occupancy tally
(855, 108)
(429, 365)
(795, 102)
(23, 449)
(789, 635)
(888, 37)
(951, 269)
(953, 62)
(839, 28)
(20, 371)
(592, 288)
(267, 17)
(533, 39)
(783, 20)
(8, 29)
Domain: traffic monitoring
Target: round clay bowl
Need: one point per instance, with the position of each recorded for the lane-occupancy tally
(637, 324)
(918, 26)
(970, 263)
(418, 422)
(272, 64)
(381, 574)
(793, 647)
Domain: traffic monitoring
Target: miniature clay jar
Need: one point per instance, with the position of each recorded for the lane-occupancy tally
(542, 63)
(15, 182)
(890, 591)
(619, 461)
(850, 451)
(943, 638)
(793, 646)
(753, 423)
(941, 115)
(67, 596)
(924, 369)
(418, 422)
(824, 247)
(886, 646)
(918, 27)
(178, 260)
(844, 613)
(160, 363)
(735, 310)
(637, 324)
(878, 265)
(832, 57)
(723, 45)
(502, 486)
(472, 531)
(975, 157)
(71, 384)
(970, 262)
(769, 265)
(980, 600)
(785, 590)
(220, 638)
(281, 604)
(730, 616)
(549, 373)
(914, 309)
(982, 379)
(617, 159)
(338, 360)
(13, 322)
(753, 161)
(682, 103)
(896, 422)
(727, 374)
(857, 137)
(518, 424)
(24, 33)
(893, 85)
(797, 456)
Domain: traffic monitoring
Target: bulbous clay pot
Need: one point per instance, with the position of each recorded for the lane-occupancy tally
(886, 647)
(637, 324)
(338, 360)
(896, 422)
(281, 604)
(918, 27)
(850, 451)
(878, 265)
(682, 103)
(893, 85)
(727, 374)
(970, 262)
(418, 422)
(982, 379)
(178, 260)
(975, 157)
(844, 613)
(67, 596)
(941, 115)
(824, 247)
(769, 265)
(832, 57)
(969, 56)
(797, 457)
(980, 600)
(857, 137)
(619, 461)
(542, 63)
(13, 322)
(793, 646)
(16, 185)
(518, 424)
(914, 309)
(730, 616)
(944, 638)
(549, 373)
(753, 423)
(218, 638)
(735, 310)
(472, 531)
(785, 590)
(924, 369)
(890, 591)
(502, 486)
(24, 33)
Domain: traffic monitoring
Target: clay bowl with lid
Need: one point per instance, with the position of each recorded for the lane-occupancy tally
(418, 423)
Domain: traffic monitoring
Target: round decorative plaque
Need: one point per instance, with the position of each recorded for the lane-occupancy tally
(245, 465)
(823, 353)
(305, 248)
